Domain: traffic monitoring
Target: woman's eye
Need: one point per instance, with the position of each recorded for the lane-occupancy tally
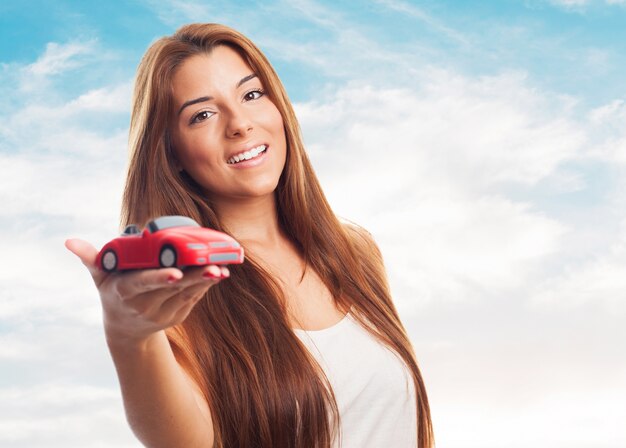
(201, 116)
(254, 94)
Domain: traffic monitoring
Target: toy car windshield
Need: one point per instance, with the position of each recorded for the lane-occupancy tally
(166, 222)
(131, 229)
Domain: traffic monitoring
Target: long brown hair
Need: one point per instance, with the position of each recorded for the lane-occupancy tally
(263, 386)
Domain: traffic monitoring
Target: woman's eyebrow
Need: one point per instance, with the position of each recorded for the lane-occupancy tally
(195, 101)
(209, 98)
(246, 79)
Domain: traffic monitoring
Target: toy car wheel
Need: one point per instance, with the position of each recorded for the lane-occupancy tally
(109, 260)
(167, 257)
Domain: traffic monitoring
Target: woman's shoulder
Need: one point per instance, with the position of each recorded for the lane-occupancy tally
(368, 254)
(359, 236)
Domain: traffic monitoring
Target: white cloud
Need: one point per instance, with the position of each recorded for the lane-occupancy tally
(64, 165)
(424, 170)
(606, 125)
(59, 58)
(114, 98)
(579, 5)
(570, 3)
(600, 281)
(73, 126)
(175, 13)
(405, 8)
(13, 347)
(57, 415)
(519, 425)
(464, 250)
(495, 125)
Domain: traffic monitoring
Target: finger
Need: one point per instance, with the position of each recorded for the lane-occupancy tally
(147, 290)
(216, 271)
(87, 254)
(161, 284)
(185, 300)
(213, 270)
(163, 305)
(136, 283)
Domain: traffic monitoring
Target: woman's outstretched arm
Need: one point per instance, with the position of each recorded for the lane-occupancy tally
(163, 405)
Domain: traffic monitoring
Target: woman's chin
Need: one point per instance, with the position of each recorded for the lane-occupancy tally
(255, 192)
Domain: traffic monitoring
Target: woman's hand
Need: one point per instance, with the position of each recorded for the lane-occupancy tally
(137, 304)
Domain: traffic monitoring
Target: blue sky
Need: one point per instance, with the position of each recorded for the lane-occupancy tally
(548, 40)
(482, 143)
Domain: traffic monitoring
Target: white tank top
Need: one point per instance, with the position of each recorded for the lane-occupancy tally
(373, 387)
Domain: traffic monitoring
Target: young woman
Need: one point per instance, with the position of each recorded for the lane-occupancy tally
(302, 345)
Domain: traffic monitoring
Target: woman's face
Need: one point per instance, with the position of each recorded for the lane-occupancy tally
(220, 124)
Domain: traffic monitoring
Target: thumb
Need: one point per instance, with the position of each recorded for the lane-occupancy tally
(87, 254)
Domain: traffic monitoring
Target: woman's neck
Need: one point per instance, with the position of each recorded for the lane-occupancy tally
(252, 221)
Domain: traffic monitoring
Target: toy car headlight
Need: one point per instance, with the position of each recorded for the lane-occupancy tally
(196, 246)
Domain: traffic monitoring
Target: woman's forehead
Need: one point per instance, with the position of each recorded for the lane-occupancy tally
(219, 70)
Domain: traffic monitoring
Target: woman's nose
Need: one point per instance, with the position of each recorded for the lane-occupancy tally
(239, 123)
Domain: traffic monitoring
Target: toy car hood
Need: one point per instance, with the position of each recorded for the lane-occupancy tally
(203, 235)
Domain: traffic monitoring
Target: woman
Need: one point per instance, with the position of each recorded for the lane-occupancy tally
(302, 345)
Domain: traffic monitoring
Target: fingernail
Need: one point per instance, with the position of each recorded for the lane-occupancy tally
(209, 275)
(171, 279)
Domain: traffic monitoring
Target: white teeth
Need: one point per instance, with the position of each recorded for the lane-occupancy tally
(247, 155)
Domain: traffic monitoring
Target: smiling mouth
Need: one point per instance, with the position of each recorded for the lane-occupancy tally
(247, 155)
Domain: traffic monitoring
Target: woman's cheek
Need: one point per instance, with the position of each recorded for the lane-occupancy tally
(198, 152)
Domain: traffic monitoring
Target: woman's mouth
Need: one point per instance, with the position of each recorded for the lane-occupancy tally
(247, 155)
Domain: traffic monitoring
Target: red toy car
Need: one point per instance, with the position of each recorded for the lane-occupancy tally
(169, 241)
